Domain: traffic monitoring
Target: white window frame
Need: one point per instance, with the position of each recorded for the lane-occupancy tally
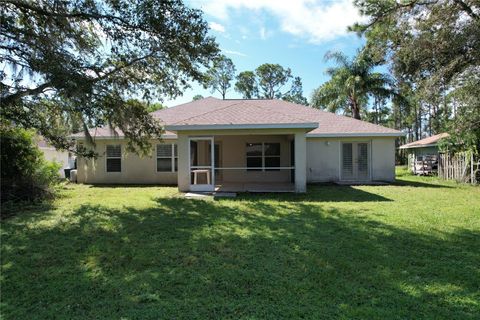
(263, 156)
(109, 157)
(172, 156)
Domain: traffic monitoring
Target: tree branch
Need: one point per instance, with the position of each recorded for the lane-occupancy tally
(396, 7)
(467, 9)
(83, 15)
(9, 99)
(126, 65)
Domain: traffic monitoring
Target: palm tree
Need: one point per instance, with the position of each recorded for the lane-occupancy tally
(351, 85)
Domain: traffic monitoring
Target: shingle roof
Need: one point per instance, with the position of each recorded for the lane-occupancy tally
(328, 123)
(240, 113)
(216, 112)
(237, 111)
(430, 141)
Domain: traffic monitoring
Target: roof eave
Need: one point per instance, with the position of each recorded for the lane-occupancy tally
(419, 146)
(163, 136)
(355, 134)
(195, 127)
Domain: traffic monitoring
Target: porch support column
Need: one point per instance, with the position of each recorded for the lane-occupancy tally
(300, 162)
(183, 174)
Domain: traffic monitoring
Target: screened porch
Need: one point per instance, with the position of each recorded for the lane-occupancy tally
(247, 163)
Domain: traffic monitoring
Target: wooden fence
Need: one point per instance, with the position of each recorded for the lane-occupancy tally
(462, 167)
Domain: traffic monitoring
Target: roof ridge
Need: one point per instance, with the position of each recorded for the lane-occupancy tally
(202, 114)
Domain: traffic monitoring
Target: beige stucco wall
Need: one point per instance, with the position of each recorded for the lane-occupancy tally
(61, 157)
(323, 158)
(135, 169)
(383, 159)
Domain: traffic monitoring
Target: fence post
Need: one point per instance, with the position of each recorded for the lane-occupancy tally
(448, 166)
(471, 169)
(440, 165)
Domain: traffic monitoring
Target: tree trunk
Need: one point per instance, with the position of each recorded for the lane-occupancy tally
(416, 122)
(355, 109)
(429, 120)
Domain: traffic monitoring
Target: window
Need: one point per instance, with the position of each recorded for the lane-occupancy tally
(167, 157)
(261, 156)
(114, 158)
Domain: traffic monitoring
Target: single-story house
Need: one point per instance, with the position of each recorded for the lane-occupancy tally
(246, 145)
(423, 154)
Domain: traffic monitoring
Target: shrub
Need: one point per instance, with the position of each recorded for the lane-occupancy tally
(25, 174)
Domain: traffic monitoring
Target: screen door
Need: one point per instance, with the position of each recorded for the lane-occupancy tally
(202, 166)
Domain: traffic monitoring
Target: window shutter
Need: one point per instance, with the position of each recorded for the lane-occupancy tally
(114, 151)
(347, 160)
(362, 161)
(164, 150)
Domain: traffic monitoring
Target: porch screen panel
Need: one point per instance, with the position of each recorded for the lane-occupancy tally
(347, 161)
(254, 156)
(114, 158)
(272, 155)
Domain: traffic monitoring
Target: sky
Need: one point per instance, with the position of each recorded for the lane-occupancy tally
(293, 33)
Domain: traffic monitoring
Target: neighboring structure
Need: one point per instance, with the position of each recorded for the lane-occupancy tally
(423, 154)
(247, 145)
(65, 158)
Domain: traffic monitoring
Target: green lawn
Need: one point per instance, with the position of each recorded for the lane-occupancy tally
(405, 251)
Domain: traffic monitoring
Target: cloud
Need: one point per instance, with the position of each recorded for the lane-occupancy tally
(263, 33)
(236, 53)
(216, 27)
(315, 20)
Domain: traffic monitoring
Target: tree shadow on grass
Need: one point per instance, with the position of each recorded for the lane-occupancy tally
(190, 259)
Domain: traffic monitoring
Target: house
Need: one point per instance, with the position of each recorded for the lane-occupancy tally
(423, 154)
(247, 145)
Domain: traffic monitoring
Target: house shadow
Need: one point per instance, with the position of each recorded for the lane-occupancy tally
(319, 193)
(185, 258)
(106, 185)
(417, 184)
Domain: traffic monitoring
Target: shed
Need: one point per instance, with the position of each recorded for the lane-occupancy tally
(423, 154)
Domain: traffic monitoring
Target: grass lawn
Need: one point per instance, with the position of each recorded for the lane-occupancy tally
(405, 251)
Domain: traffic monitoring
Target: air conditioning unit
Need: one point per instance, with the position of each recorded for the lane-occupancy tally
(73, 176)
